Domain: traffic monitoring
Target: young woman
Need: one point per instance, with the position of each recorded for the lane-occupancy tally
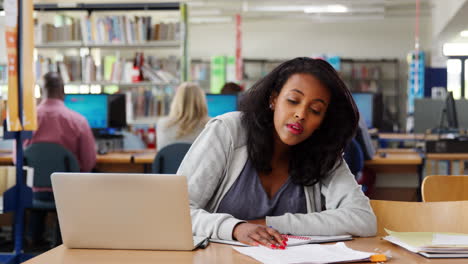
(187, 117)
(276, 167)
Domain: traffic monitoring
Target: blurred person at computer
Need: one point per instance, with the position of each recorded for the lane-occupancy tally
(276, 167)
(187, 117)
(61, 125)
(231, 88)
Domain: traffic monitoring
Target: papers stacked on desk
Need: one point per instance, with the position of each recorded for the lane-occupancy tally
(336, 253)
(431, 245)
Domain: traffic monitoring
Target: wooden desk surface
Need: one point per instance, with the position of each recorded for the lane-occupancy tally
(114, 157)
(398, 150)
(447, 156)
(214, 253)
(144, 157)
(5, 158)
(404, 157)
(111, 157)
(407, 136)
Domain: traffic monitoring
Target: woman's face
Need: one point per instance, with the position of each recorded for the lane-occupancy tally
(299, 108)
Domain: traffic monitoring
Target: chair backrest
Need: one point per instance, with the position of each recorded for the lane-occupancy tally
(421, 217)
(354, 157)
(438, 188)
(168, 159)
(47, 158)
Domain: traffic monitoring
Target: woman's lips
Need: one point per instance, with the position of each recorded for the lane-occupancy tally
(295, 128)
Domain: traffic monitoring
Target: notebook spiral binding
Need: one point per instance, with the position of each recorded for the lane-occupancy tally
(297, 237)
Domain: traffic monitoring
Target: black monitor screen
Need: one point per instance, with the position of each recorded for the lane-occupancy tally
(451, 111)
(117, 111)
(92, 106)
(365, 105)
(219, 104)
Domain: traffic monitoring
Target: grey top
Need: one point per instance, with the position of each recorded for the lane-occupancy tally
(168, 135)
(335, 206)
(248, 189)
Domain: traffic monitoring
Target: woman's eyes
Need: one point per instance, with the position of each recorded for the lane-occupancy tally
(292, 101)
(314, 111)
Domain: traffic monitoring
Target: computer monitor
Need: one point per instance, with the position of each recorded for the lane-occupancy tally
(451, 111)
(219, 104)
(94, 107)
(365, 105)
(117, 111)
(427, 115)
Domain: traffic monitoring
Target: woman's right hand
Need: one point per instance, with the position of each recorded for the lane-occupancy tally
(254, 235)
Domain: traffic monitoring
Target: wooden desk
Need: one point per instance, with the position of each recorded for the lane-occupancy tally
(397, 161)
(451, 158)
(5, 158)
(407, 136)
(116, 162)
(128, 161)
(144, 157)
(214, 253)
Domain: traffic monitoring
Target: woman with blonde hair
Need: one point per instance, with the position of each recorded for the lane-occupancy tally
(187, 117)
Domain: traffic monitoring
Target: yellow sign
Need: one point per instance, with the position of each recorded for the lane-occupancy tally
(11, 37)
(27, 65)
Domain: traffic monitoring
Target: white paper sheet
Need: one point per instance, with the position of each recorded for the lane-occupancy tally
(449, 240)
(313, 254)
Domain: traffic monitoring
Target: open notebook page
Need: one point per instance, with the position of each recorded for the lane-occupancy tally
(294, 240)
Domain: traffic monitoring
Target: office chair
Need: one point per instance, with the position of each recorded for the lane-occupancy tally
(46, 158)
(354, 157)
(168, 159)
(440, 188)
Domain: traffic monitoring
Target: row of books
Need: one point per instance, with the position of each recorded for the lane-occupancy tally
(112, 68)
(149, 102)
(366, 72)
(45, 33)
(96, 29)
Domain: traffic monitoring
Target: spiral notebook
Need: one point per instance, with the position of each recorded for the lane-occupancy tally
(294, 240)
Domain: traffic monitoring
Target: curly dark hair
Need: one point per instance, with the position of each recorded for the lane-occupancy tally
(313, 159)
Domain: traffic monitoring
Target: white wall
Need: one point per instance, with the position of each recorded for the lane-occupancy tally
(385, 38)
(443, 12)
(448, 19)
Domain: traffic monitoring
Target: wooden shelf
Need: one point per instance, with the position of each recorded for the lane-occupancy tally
(144, 120)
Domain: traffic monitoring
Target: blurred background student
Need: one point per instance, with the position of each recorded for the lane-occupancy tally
(231, 88)
(187, 117)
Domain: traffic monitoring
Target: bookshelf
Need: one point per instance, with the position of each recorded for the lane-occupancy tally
(381, 77)
(78, 44)
(200, 72)
(135, 48)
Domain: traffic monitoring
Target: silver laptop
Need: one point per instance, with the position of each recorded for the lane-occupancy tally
(124, 211)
